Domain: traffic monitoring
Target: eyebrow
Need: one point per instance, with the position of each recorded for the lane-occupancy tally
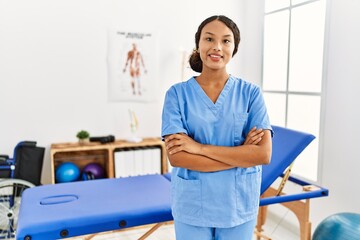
(227, 35)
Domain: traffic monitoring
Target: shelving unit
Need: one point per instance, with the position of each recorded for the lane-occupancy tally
(103, 154)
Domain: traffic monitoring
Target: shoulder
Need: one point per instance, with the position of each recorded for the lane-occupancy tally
(181, 86)
(245, 85)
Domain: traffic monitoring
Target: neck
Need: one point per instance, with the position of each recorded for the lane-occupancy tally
(213, 78)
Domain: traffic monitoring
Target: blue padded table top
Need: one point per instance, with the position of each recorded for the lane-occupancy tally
(287, 144)
(62, 210)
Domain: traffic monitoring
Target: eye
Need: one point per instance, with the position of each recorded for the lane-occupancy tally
(226, 41)
(209, 39)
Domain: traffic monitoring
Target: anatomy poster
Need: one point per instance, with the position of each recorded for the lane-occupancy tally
(132, 66)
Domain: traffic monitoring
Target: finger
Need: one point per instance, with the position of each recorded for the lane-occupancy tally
(254, 138)
(171, 137)
(170, 143)
(250, 136)
(260, 134)
(247, 139)
(254, 132)
(257, 131)
(174, 150)
(250, 133)
(256, 141)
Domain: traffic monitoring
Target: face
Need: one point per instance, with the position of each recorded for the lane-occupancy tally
(216, 45)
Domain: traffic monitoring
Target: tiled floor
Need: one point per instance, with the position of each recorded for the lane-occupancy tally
(280, 225)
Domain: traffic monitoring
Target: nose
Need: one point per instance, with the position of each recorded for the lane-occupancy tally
(217, 46)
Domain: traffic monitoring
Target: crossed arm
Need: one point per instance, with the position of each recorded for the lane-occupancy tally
(184, 152)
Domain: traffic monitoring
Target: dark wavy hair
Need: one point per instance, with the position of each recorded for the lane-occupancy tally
(195, 60)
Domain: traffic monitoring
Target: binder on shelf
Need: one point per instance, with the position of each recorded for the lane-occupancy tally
(134, 161)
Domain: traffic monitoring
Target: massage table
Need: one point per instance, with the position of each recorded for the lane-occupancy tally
(287, 144)
(88, 207)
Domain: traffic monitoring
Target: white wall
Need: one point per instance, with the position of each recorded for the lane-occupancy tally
(53, 72)
(341, 131)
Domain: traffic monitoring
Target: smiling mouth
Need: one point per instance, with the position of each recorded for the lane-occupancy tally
(215, 56)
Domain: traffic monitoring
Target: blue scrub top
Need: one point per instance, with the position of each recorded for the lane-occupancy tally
(224, 198)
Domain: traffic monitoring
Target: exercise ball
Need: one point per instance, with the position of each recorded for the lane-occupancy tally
(67, 172)
(340, 226)
(94, 169)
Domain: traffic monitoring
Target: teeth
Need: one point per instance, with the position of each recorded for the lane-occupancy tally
(215, 56)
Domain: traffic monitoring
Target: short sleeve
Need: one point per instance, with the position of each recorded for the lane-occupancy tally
(172, 120)
(258, 115)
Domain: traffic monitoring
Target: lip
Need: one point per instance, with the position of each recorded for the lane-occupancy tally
(215, 56)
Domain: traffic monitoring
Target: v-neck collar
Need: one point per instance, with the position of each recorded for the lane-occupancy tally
(214, 107)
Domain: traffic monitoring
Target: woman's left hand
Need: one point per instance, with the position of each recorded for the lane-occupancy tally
(181, 142)
(254, 136)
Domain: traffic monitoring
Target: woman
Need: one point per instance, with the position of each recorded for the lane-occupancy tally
(217, 134)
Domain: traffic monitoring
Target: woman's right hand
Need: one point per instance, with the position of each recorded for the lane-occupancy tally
(254, 136)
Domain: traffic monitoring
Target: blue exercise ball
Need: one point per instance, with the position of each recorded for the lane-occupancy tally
(67, 172)
(340, 226)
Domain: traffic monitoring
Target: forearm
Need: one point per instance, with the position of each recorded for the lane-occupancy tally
(241, 156)
(196, 162)
(256, 150)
